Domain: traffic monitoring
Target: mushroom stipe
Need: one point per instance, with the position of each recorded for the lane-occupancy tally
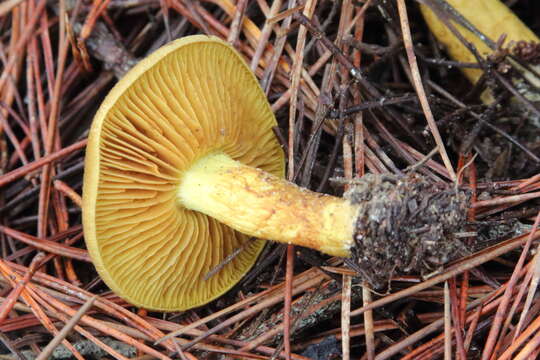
(182, 168)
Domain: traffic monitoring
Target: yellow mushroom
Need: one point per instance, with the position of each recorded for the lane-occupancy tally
(490, 17)
(182, 167)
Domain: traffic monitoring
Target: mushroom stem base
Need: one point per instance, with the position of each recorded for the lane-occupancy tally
(405, 225)
(259, 204)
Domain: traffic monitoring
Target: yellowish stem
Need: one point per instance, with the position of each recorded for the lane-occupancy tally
(259, 204)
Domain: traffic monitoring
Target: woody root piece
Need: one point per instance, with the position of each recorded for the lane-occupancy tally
(182, 168)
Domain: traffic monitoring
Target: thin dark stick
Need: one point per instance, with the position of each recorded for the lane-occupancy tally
(334, 114)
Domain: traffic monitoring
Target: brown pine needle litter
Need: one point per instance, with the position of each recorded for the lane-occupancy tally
(364, 96)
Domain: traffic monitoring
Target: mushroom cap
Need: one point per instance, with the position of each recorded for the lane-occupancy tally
(188, 99)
